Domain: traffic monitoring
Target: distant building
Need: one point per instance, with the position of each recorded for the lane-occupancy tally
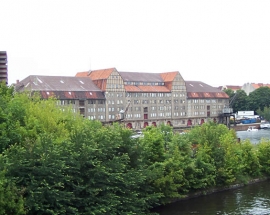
(250, 87)
(3, 67)
(234, 88)
(142, 98)
(204, 100)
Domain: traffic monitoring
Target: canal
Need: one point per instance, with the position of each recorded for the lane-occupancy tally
(253, 199)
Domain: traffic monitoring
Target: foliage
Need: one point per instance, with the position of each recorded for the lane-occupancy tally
(264, 156)
(240, 102)
(259, 98)
(256, 100)
(229, 92)
(11, 201)
(53, 161)
(90, 174)
(265, 113)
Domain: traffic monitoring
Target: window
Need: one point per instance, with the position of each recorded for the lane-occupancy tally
(154, 108)
(71, 102)
(161, 108)
(91, 101)
(91, 109)
(81, 103)
(92, 117)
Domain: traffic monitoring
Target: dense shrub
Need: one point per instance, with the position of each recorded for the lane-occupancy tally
(56, 162)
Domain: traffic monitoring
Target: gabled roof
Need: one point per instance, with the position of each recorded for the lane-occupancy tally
(198, 89)
(141, 77)
(168, 76)
(198, 86)
(63, 87)
(96, 74)
(57, 83)
(82, 74)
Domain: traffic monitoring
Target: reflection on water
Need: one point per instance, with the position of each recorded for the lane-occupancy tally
(252, 199)
(254, 136)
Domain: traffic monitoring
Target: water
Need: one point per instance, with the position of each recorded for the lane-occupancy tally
(254, 136)
(253, 199)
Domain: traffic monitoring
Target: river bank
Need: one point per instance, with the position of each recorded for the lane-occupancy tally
(213, 190)
(219, 189)
(237, 127)
(252, 199)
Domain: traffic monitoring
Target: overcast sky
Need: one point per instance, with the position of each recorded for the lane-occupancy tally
(217, 42)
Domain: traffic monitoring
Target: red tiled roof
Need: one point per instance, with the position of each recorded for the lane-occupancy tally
(258, 85)
(207, 95)
(132, 88)
(96, 74)
(233, 87)
(101, 84)
(101, 74)
(168, 76)
(82, 74)
(154, 88)
(143, 88)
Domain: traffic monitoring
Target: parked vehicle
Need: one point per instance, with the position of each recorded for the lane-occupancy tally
(265, 125)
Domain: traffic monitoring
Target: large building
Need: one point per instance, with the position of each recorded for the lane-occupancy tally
(142, 98)
(3, 67)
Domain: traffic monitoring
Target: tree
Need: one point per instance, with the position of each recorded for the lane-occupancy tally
(240, 102)
(11, 200)
(264, 156)
(265, 113)
(229, 92)
(259, 98)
